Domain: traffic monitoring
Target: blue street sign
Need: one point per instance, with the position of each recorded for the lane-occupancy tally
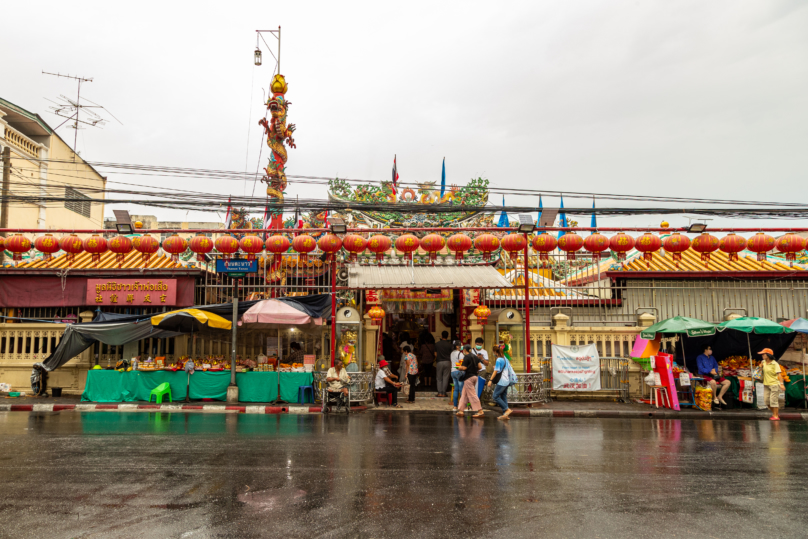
(236, 265)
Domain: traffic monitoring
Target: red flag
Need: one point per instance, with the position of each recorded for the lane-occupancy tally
(228, 219)
(395, 176)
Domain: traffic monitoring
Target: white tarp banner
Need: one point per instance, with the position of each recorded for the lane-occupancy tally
(576, 368)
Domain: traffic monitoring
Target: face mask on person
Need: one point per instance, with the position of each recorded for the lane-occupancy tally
(479, 347)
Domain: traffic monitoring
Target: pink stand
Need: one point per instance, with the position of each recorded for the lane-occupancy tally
(663, 364)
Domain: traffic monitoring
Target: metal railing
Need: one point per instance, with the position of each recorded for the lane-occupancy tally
(613, 378)
(361, 385)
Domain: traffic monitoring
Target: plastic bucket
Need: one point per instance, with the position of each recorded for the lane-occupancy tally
(56, 391)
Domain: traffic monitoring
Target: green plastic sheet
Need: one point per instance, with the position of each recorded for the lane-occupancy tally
(114, 386)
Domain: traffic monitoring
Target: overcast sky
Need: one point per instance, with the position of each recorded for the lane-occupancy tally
(677, 98)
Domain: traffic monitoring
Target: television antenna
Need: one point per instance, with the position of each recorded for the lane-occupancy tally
(71, 109)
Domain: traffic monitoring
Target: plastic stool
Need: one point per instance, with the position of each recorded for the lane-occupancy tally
(659, 393)
(302, 392)
(159, 391)
(383, 396)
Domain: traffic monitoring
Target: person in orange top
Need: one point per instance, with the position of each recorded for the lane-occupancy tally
(772, 382)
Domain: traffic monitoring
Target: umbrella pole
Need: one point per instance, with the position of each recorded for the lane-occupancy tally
(188, 382)
(749, 344)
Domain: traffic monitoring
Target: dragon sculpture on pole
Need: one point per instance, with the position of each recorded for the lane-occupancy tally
(278, 133)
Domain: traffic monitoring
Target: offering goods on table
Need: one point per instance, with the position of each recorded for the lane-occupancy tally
(704, 398)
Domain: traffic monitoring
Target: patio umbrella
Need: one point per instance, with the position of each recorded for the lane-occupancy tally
(692, 327)
(272, 314)
(189, 320)
(758, 326)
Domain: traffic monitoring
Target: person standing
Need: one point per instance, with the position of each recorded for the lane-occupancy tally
(426, 357)
(482, 355)
(501, 379)
(772, 382)
(443, 360)
(455, 358)
(708, 369)
(411, 366)
(469, 367)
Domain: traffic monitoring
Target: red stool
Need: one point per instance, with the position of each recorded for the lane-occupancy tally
(380, 396)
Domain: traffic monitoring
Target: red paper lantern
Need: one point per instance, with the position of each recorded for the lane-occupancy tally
(732, 245)
(18, 244)
(570, 243)
(175, 246)
(761, 244)
(121, 246)
(354, 244)
(648, 244)
(620, 245)
(330, 244)
(486, 244)
(252, 245)
(791, 244)
(200, 245)
(514, 245)
(2, 243)
(226, 245)
(705, 244)
(544, 244)
(596, 243)
(304, 244)
(407, 244)
(432, 244)
(376, 314)
(71, 245)
(146, 246)
(676, 244)
(47, 245)
(277, 245)
(96, 246)
(482, 313)
(459, 244)
(379, 245)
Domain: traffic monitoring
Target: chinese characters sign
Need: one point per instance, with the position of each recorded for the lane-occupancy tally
(576, 368)
(131, 292)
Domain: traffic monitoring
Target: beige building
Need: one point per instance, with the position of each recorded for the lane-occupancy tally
(43, 163)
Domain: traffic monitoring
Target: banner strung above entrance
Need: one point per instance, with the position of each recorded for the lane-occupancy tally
(421, 301)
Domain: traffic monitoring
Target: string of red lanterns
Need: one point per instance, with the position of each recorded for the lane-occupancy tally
(543, 244)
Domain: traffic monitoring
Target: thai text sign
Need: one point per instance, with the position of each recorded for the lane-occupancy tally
(131, 292)
(236, 265)
(576, 368)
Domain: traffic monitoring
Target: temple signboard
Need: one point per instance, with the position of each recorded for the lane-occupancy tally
(131, 292)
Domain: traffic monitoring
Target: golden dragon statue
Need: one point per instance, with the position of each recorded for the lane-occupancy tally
(277, 133)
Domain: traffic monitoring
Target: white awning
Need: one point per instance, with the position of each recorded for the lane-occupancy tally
(378, 277)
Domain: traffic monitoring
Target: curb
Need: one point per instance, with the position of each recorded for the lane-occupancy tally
(206, 408)
(636, 414)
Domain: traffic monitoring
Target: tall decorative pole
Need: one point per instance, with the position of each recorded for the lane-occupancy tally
(277, 133)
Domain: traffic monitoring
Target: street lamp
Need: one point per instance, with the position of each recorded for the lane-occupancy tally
(697, 228)
(525, 223)
(257, 56)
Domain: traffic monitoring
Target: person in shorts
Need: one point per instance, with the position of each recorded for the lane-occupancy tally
(772, 382)
(708, 369)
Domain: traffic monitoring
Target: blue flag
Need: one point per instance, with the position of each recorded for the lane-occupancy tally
(503, 216)
(538, 221)
(563, 216)
(594, 222)
(443, 179)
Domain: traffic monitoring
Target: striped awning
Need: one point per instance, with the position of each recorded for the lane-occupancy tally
(380, 277)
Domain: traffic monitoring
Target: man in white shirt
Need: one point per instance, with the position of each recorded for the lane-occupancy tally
(338, 380)
(385, 383)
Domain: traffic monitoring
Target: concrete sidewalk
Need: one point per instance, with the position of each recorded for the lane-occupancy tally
(424, 403)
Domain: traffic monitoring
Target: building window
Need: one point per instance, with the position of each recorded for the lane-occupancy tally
(77, 202)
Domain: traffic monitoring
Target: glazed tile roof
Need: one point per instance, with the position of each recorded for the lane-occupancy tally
(538, 287)
(691, 261)
(108, 261)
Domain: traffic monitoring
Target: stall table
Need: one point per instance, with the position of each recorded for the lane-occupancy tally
(130, 386)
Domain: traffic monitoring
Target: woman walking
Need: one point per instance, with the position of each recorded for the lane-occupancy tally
(502, 379)
(772, 382)
(411, 363)
(469, 368)
(456, 357)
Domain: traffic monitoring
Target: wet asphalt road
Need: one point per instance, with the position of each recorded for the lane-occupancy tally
(73, 474)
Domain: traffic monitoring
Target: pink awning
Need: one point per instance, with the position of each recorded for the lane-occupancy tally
(273, 313)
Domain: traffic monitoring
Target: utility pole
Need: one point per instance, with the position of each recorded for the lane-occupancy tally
(4, 195)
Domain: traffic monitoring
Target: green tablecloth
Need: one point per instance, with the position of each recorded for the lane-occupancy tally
(114, 386)
(795, 395)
